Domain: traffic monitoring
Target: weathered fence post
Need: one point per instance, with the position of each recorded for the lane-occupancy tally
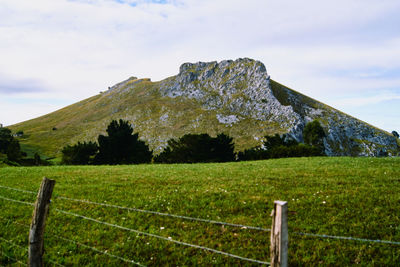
(36, 232)
(279, 235)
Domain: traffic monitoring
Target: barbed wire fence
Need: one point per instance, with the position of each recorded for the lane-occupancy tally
(168, 239)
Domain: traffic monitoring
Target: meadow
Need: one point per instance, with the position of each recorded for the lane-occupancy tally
(340, 196)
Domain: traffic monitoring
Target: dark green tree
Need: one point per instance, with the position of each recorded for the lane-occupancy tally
(395, 134)
(277, 146)
(277, 140)
(254, 153)
(192, 148)
(313, 134)
(5, 139)
(223, 148)
(121, 146)
(78, 154)
(14, 151)
(37, 160)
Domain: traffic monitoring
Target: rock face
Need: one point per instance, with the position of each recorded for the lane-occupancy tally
(242, 89)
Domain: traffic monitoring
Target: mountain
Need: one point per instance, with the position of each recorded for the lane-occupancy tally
(233, 97)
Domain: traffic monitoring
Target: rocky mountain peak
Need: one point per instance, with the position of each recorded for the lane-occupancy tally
(236, 88)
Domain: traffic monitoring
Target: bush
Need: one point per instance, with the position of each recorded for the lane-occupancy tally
(5, 139)
(14, 151)
(192, 148)
(79, 154)
(280, 147)
(121, 146)
(313, 133)
(254, 153)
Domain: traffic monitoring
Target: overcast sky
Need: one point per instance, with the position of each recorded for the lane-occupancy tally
(56, 52)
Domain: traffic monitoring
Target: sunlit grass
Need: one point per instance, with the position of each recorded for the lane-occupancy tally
(357, 197)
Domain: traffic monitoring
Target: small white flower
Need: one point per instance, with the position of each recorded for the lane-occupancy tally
(169, 238)
(324, 202)
(162, 227)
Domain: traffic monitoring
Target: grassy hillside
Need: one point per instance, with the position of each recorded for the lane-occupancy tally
(355, 197)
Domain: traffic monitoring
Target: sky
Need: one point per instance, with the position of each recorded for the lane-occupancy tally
(344, 53)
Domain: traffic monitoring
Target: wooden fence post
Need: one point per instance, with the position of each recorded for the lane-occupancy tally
(279, 235)
(36, 232)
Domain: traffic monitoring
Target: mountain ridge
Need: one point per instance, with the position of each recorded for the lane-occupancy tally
(236, 97)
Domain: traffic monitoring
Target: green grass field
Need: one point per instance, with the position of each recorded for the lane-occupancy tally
(357, 197)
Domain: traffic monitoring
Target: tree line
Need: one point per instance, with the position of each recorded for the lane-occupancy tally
(122, 146)
(10, 147)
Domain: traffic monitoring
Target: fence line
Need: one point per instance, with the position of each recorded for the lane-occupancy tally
(148, 234)
(297, 233)
(162, 237)
(242, 226)
(17, 189)
(349, 238)
(18, 201)
(77, 243)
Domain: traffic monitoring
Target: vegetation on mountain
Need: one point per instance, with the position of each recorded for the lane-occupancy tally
(14, 152)
(14, 156)
(285, 146)
(395, 134)
(122, 146)
(192, 148)
(80, 153)
(314, 134)
(282, 149)
(5, 139)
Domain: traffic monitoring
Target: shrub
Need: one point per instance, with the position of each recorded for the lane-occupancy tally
(280, 147)
(5, 139)
(14, 151)
(79, 154)
(192, 148)
(121, 146)
(313, 135)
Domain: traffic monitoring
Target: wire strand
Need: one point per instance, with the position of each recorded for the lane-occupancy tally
(80, 244)
(242, 226)
(203, 220)
(349, 238)
(17, 201)
(162, 237)
(18, 189)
